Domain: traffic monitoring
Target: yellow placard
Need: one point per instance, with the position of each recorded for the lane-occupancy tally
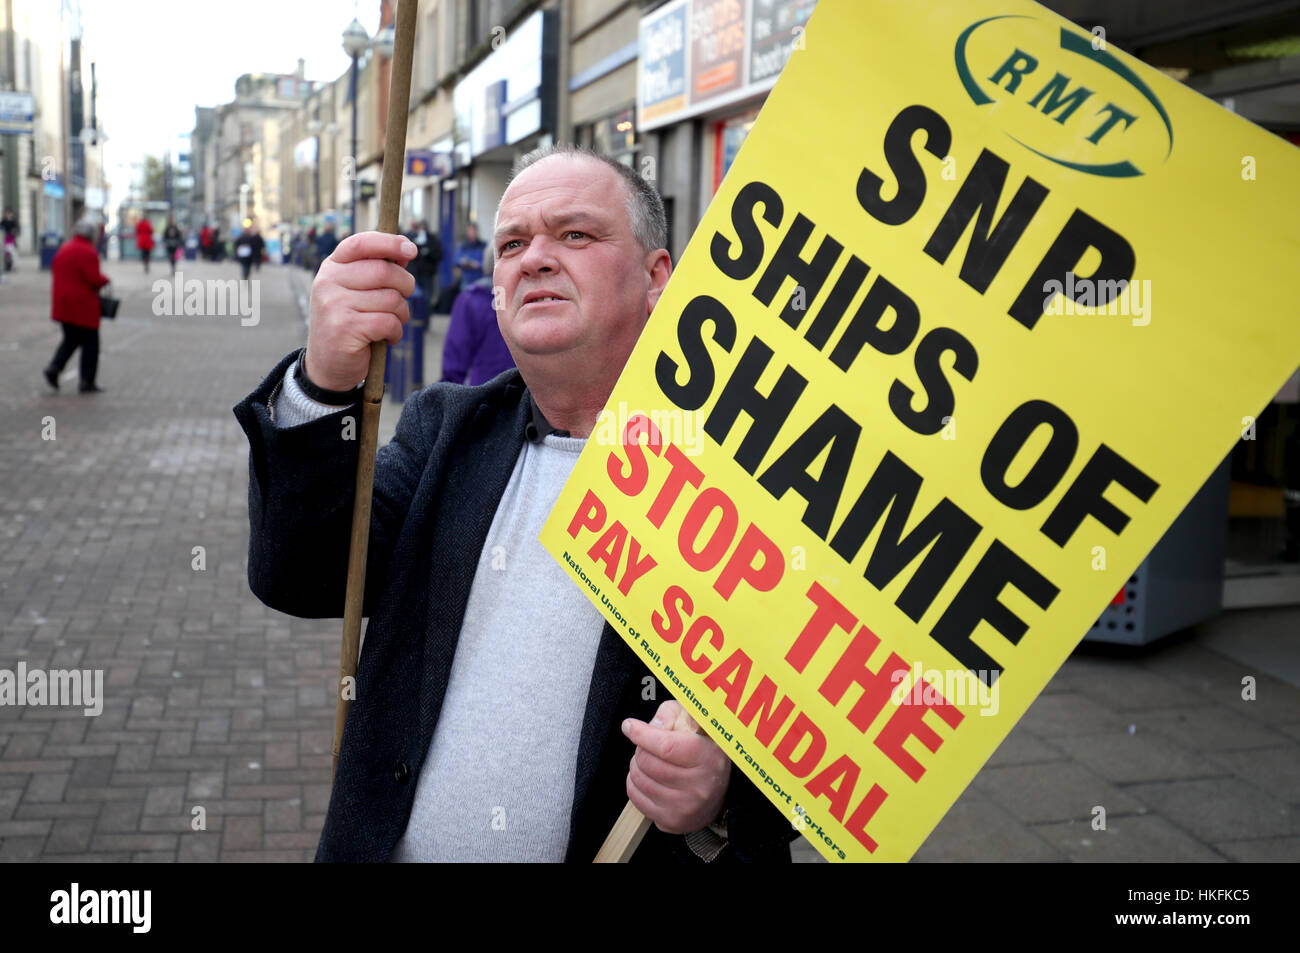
(978, 308)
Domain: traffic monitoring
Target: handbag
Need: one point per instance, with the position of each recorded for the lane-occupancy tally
(108, 305)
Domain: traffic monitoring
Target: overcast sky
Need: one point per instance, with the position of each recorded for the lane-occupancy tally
(155, 60)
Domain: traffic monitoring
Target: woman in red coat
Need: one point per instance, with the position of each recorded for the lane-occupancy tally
(144, 240)
(74, 302)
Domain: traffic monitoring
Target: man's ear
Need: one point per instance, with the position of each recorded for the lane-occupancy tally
(659, 265)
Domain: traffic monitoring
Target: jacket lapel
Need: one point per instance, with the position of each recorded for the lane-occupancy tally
(476, 480)
(615, 665)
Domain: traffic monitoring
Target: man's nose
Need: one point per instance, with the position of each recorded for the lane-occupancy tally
(539, 256)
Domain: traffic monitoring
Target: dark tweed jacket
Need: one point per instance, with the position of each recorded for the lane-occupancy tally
(437, 486)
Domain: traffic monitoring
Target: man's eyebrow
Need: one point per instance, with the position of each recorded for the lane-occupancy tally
(588, 218)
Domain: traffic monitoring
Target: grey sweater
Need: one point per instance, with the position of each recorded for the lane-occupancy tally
(498, 782)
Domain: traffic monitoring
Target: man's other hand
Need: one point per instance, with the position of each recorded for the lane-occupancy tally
(359, 296)
(677, 778)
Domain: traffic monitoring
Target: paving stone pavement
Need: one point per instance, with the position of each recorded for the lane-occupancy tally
(124, 548)
(213, 701)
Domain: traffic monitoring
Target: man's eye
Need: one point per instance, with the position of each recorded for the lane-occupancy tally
(573, 233)
(507, 245)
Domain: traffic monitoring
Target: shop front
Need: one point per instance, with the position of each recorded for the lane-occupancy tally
(504, 107)
(705, 68)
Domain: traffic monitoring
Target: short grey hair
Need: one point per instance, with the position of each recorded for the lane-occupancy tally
(87, 227)
(645, 209)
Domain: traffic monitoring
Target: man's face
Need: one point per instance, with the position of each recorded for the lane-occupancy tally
(575, 282)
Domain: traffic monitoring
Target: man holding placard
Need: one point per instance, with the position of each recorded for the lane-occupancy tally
(487, 677)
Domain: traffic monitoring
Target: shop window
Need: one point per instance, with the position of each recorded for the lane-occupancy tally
(616, 136)
(728, 136)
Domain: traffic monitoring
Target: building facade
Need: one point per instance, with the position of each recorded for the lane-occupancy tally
(51, 172)
(241, 157)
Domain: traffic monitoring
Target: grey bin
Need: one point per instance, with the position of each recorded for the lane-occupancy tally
(1180, 583)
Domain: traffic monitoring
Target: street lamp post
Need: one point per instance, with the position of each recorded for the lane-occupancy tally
(332, 130)
(168, 191)
(355, 42)
(65, 93)
(313, 129)
(352, 171)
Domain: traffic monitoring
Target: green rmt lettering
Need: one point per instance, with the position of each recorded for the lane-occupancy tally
(1055, 96)
(1055, 91)
(1116, 115)
(1018, 65)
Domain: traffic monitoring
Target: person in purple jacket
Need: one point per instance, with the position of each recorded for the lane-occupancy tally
(474, 348)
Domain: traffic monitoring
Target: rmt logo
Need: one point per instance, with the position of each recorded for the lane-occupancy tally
(1062, 97)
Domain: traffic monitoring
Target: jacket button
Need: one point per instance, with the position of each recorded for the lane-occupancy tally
(401, 773)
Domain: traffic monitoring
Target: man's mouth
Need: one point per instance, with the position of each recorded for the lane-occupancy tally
(538, 297)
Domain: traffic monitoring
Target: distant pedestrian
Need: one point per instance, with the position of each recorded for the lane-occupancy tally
(74, 303)
(245, 249)
(144, 240)
(259, 248)
(172, 241)
(469, 256)
(9, 226)
(205, 241)
(474, 351)
(326, 242)
(467, 268)
(424, 266)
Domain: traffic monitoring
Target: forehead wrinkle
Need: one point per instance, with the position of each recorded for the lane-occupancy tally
(551, 221)
(538, 195)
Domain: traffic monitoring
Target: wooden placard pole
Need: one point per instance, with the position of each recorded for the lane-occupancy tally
(390, 200)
